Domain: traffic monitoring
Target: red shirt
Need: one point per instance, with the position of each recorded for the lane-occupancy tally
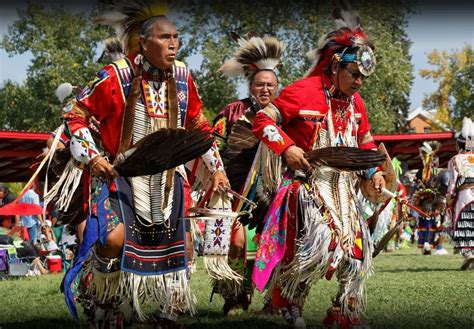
(104, 99)
(303, 107)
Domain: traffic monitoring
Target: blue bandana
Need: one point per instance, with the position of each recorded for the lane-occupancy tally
(347, 58)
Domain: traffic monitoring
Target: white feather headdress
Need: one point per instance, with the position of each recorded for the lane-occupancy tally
(349, 33)
(253, 55)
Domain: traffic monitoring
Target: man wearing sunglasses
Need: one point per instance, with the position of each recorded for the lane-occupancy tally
(232, 127)
(324, 233)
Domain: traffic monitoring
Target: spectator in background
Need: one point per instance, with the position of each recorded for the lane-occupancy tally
(31, 222)
(47, 237)
(5, 197)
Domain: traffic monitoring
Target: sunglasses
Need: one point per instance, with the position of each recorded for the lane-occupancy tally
(355, 74)
(260, 86)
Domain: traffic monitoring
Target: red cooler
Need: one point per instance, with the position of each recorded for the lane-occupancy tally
(54, 263)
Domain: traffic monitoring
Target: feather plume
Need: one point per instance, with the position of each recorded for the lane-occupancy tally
(465, 137)
(349, 32)
(344, 15)
(240, 152)
(113, 50)
(345, 158)
(253, 54)
(429, 148)
(148, 156)
(63, 91)
(112, 18)
(467, 128)
(127, 17)
(426, 148)
(428, 151)
(234, 36)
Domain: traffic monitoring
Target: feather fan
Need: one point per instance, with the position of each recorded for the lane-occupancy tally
(240, 152)
(163, 150)
(345, 158)
(238, 159)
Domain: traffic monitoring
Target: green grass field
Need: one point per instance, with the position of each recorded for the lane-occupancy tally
(408, 290)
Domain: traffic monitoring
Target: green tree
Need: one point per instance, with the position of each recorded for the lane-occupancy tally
(454, 97)
(214, 89)
(300, 24)
(15, 188)
(63, 45)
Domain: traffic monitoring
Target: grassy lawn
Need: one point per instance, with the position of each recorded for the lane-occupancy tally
(408, 290)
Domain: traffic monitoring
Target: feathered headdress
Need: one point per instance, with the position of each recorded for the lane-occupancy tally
(427, 199)
(349, 43)
(466, 137)
(253, 55)
(127, 18)
(428, 151)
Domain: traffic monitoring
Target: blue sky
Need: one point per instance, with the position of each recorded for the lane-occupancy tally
(445, 25)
